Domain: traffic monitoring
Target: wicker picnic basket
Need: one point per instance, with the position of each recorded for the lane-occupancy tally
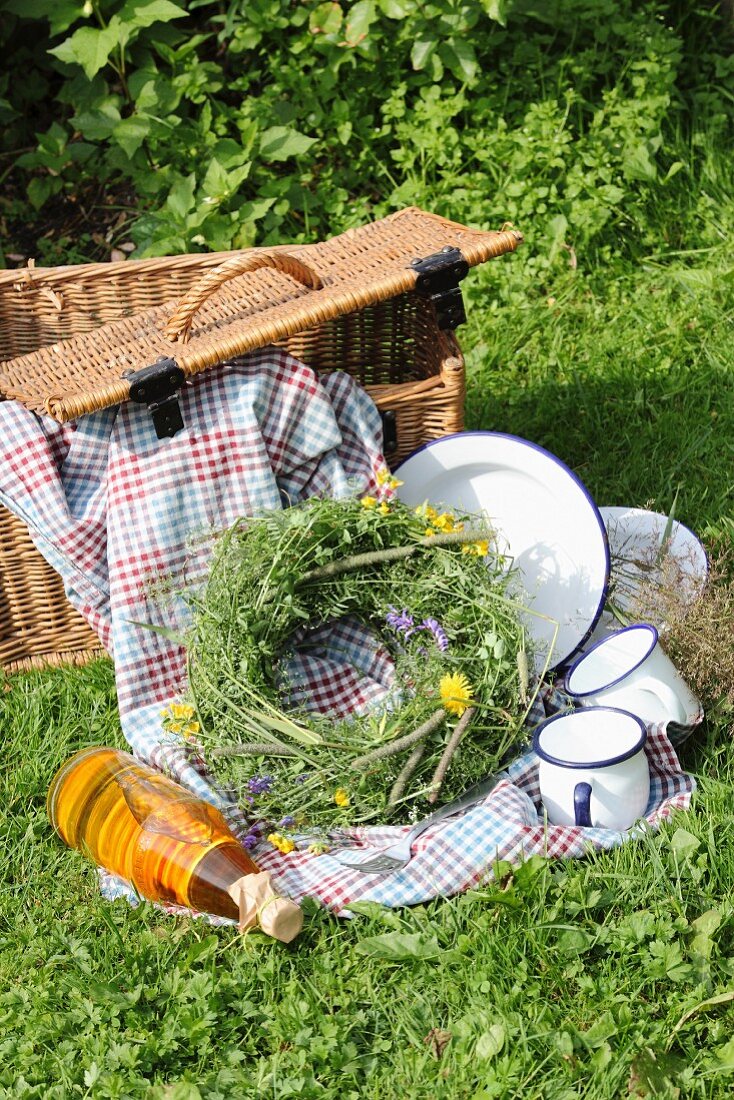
(379, 301)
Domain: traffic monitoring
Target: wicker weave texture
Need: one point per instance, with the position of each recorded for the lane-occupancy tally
(391, 345)
(248, 302)
(36, 620)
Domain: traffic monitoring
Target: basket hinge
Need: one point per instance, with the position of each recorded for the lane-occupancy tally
(389, 431)
(157, 387)
(438, 280)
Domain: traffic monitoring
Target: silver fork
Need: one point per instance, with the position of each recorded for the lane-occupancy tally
(398, 855)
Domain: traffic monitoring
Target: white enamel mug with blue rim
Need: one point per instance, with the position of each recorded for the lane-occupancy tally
(593, 770)
(629, 669)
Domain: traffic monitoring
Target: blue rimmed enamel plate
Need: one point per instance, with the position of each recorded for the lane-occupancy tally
(547, 527)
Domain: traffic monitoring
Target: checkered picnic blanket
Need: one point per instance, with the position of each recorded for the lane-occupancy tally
(463, 852)
(129, 522)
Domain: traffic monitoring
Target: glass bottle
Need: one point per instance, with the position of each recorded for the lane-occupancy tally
(172, 846)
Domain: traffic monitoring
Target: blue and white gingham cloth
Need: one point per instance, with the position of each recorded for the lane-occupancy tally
(129, 520)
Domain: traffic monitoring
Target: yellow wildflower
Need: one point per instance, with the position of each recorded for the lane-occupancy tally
(182, 711)
(318, 848)
(455, 692)
(384, 508)
(426, 512)
(283, 843)
(178, 718)
(444, 522)
(385, 479)
(429, 532)
(341, 797)
(368, 502)
(476, 549)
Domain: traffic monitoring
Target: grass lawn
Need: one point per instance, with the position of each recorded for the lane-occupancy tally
(607, 977)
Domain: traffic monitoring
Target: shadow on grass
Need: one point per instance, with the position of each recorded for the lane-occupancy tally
(633, 440)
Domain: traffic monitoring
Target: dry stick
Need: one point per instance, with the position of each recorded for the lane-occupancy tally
(393, 553)
(402, 742)
(443, 765)
(255, 748)
(398, 787)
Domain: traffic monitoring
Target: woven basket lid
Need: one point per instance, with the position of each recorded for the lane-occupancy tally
(252, 299)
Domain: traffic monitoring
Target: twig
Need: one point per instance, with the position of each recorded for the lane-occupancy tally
(393, 747)
(392, 553)
(398, 787)
(443, 765)
(254, 748)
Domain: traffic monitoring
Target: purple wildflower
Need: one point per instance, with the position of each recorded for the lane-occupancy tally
(286, 822)
(437, 631)
(302, 778)
(254, 834)
(401, 621)
(260, 784)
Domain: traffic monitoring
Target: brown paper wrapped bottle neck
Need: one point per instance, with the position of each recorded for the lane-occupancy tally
(258, 903)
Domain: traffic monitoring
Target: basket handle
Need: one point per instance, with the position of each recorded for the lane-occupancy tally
(178, 326)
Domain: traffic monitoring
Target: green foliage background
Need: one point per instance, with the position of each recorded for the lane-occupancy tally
(225, 124)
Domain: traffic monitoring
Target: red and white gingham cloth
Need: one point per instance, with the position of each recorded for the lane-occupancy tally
(462, 852)
(128, 521)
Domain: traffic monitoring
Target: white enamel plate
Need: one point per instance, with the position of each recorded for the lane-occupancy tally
(639, 558)
(547, 526)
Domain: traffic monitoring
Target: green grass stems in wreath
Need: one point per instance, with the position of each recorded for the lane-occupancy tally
(430, 591)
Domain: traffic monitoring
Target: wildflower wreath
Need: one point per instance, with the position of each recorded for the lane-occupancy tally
(428, 605)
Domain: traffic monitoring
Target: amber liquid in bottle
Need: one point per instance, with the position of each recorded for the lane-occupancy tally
(172, 846)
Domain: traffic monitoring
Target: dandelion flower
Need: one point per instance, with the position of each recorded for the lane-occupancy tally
(341, 798)
(368, 502)
(455, 692)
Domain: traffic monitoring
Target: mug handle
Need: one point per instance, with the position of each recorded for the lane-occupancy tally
(582, 803)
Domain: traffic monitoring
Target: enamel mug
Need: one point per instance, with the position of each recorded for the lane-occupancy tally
(629, 670)
(593, 770)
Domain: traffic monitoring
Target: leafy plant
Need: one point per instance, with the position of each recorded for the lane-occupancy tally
(244, 122)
